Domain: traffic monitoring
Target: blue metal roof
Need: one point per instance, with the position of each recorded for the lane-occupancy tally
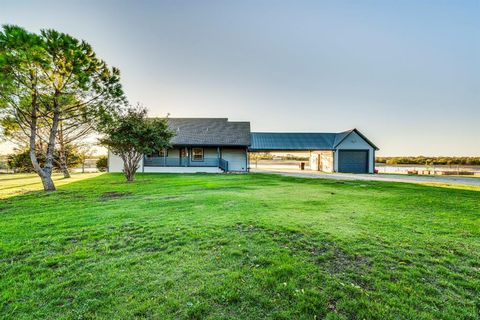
(271, 141)
(264, 141)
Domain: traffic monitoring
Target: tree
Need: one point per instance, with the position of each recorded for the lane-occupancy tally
(20, 160)
(132, 134)
(70, 130)
(68, 134)
(85, 151)
(102, 164)
(48, 80)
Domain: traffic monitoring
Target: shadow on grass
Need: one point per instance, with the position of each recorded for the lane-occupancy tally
(15, 176)
(28, 188)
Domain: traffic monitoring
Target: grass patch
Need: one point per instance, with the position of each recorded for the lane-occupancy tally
(114, 195)
(250, 246)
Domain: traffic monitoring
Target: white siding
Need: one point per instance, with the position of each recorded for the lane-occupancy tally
(355, 142)
(314, 162)
(321, 161)
(115, 163)
(237, 159)
(173, 153)
(210, 152)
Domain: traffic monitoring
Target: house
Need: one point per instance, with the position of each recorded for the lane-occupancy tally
(218, 145)
(199, 145)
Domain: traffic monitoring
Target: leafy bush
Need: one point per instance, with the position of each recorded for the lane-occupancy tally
(102, 164)
(21, 163)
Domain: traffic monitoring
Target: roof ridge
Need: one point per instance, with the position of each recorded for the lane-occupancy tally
(219, 118)
(297, 132)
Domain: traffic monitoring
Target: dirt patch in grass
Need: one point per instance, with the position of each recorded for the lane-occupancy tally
(129, 237)
(326, 254)
(114, 195)
(231, 203)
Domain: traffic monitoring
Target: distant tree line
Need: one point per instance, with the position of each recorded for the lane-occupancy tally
(20, 161)
(421, 160)
(271, 156)
(74, 156)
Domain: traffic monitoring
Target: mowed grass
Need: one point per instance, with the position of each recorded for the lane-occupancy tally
(11, 185)
(249, 246)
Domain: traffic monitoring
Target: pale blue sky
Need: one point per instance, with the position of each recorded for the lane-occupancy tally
(406, 73)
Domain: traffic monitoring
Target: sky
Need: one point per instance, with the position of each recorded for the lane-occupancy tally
(405, 73)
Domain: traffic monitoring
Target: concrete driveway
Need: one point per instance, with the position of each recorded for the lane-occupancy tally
(375, 177)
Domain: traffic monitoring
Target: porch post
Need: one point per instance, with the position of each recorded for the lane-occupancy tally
(164, 157)
(218, 156)
(187, 162)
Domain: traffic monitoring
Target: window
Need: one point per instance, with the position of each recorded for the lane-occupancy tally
(197, 154)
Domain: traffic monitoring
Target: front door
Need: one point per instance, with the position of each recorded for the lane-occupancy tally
(184, 161)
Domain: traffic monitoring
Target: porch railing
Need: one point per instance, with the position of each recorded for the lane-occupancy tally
(181, 162)
(223, 164)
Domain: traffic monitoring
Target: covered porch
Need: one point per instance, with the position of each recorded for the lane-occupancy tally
(187, 156)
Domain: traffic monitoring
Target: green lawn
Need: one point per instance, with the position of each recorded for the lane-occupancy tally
(247, 246)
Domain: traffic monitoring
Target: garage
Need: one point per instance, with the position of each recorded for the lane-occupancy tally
(348, 151)
(353, 161)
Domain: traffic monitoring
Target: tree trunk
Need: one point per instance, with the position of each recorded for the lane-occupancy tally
(130, 164)
(62, 154)
(47, 182)
(66, 173)
(130, 176)
(63, 163)
(129, 170)
(45, 175)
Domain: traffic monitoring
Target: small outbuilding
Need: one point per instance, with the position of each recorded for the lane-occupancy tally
(348, 151)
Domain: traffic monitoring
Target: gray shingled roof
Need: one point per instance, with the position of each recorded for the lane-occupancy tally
(209, 132)
(270, 141)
